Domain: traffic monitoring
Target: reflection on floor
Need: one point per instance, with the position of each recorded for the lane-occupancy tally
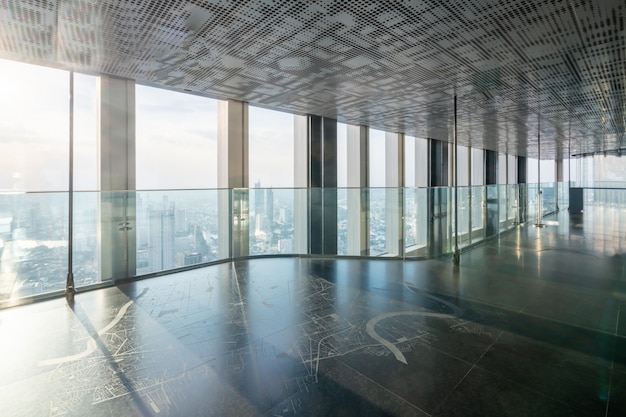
(531, 324)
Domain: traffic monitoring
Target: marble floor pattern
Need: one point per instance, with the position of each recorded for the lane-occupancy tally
(531, 324)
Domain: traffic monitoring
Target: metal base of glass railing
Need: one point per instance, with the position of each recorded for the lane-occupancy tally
(538, 223)
(70, 290)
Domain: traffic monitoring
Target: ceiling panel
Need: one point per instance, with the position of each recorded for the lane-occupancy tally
(524, 71)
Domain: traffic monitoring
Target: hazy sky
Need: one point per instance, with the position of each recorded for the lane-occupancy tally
(176, 138)
(34, 111)
(176, 135)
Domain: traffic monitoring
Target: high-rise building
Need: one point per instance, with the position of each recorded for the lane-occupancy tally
(269, 206)
(181, 222)
(259, 198)
(161, 247)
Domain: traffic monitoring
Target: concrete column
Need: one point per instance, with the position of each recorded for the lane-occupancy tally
(323, 185)
(438, 163)
(358, 193)
(491, 167)
(329, 184)
(558, 176)
(492, 215)
(438, 197)
(232, 178)
(522, 200)
(394, 182)
(316, 169)
(116, 179)
(558, 167)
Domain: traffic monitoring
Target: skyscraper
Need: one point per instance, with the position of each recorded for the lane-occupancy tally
(161, 238)
(259, 198)
(269, 206)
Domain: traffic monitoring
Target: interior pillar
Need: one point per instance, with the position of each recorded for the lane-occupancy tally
(116, 178)
(358, 192)
(232, 178)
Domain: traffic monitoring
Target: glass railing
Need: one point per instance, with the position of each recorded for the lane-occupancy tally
(124, 234)
(563, 194)
(549, 198)
(272, 213)
(178, 228)
(605, 197)
(33, 243)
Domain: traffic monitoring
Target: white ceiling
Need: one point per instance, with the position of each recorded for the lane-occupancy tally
(392, 65)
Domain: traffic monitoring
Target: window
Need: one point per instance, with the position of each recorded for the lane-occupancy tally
(271, 166)
(421, 162)
(548, 171)
(271, 149)
(463, 165)
(478, 167)
(34, 128)
(377, 158)
(512, 170)
(409, 161)
(532, 170)
(502, 171)
(176, 150)
(176, 140)
(342, 155)
(85, 132)
(34, 157)
(85, 216)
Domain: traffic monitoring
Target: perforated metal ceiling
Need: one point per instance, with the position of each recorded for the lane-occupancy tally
(393, 65)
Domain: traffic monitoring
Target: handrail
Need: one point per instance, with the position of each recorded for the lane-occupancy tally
(418, 219)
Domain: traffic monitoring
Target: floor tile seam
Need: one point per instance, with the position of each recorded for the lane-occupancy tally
(404, 400)
(443, 401)
(162, 329)
(513, 312)
(549, 345)
(577, 326)
(531, 389)
(579, 290)
(474, 365)
(471, 299)
(608, 401)
(443, 352)
(450, 355)
(44, 373)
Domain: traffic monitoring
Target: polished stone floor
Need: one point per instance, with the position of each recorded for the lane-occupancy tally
(531, 324)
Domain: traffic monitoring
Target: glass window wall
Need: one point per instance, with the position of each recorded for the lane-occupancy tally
(478, 167)
(463, 165)
(34, 179)
(511, 170)
(421, 162)
(271, 167)
(377, 158)
(502, 169)
(176, 140)
(342, 192)
(409, 161)
(86, 198)
(342, 155)
(271, 148)
(34, 127)
(176, 151)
